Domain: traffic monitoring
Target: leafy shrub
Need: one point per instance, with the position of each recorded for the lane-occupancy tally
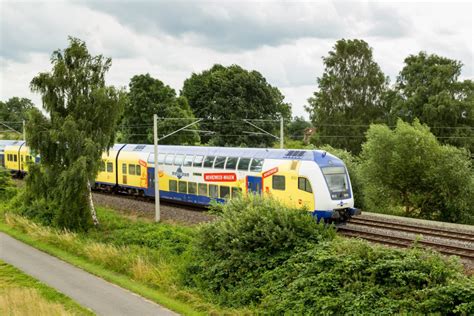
(253, 235)
(353, 277)
(7, 189)
(408, 168)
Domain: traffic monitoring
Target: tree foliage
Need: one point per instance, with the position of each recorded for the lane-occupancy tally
(430, 90)
(297, 127)
(7, 188)
(83, 115)
(229, 95)
(350, 96)
(408, 168)
(15, 109)
(12, 113)
(150, 96)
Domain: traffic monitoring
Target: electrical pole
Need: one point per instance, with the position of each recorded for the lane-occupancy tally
(157, 175)
(281, 131)
(24, 131)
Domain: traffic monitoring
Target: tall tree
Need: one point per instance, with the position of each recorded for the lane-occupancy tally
(227, 95)
(350, 96)
(83, 116)
(430, 90)
(150, 96)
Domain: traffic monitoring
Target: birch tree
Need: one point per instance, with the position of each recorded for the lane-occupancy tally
(83, 113)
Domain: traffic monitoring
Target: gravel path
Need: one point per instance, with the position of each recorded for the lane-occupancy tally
(169, 212)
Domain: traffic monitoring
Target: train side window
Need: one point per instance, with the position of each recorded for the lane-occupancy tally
(21, 158)
(15, 159)
(224, 192)
(304, 184)
(178, 160)
(169, 159)
(161, 158)
(202, 189)
(182, 187)
(213, 191)
(131, 170)
(188, 161)
(173, 186)
(124, 168)
(256, 165)
(231, 163)
(219, 163)
(138, 170)
(244, 164)
(198, 161)
(236, 192)
(102, 166)
(209, 161)
(110, 167)
(192, 187)
(278, 183)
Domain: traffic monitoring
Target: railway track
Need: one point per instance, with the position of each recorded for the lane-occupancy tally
(445, 245)
(415, 229)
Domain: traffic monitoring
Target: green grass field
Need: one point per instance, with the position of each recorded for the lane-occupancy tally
(21, 294)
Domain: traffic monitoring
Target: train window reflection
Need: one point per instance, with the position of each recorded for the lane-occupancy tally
(209, 161)
(256, 165)
(244, 164)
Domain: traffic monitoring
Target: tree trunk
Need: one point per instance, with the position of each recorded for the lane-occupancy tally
(91, 205)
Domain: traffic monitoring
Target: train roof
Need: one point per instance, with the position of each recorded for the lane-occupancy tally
(5, 142)
(321, 157)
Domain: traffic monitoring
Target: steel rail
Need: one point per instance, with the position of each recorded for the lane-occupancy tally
(380, 237)
(410, 228)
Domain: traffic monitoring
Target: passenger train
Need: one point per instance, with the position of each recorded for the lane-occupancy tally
(312, 179)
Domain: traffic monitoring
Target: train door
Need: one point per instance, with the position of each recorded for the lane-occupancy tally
(254, 185)
(151, 182)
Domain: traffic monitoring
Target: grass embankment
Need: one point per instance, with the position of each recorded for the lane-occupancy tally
(20, 294)
(136, 254)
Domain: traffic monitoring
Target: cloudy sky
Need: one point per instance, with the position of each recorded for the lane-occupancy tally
(284, 40)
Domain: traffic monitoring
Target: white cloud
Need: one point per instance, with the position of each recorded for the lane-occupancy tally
(170, 40)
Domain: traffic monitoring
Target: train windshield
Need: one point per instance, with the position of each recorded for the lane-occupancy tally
(336, 179)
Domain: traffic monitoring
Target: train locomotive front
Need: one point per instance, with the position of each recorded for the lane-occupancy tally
(334, 200)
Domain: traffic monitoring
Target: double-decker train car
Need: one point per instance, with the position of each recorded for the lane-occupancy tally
(312, 179)
(14, 156)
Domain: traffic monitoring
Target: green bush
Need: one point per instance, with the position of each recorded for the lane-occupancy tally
(7, 188)
(253, 236)
(353, 277)
(407, 168)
